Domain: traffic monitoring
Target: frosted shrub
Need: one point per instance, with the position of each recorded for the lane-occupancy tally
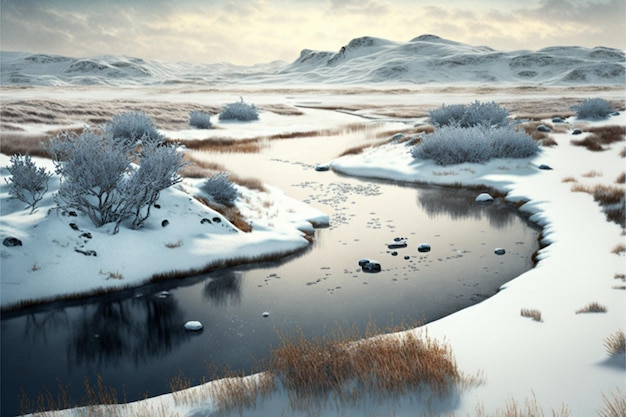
(239, 111)
(476, 114)
(220, 189)
(200, 119)
(134, 127)
(593, 109)
(98, 176)
(450, 145)
(27, 183)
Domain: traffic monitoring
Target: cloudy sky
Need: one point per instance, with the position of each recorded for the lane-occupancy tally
(252, 31)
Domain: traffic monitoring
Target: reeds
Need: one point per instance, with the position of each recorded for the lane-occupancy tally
(614, 406)
(339, 368)
(531, 313)
(615, 343)
(593, 307)
(611, 197)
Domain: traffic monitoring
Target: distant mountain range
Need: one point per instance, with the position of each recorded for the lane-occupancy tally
(427, 59)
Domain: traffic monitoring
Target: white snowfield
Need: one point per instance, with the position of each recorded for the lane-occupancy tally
(560, 361)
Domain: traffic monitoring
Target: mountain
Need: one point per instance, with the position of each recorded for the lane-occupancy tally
(425, 59)
(431, 59)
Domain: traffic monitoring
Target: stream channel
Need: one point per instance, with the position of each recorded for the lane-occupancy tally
(135, 340)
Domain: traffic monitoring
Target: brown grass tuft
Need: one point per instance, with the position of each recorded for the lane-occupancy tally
(22, 144)
(615, 406)
(615, 343)
(619, 249)
(611, 197)
(592, 307)
(569, 179)
(231, 213)
(592, 174)
(621, 178)
(601, 136)
(380, 366)
(531, 313)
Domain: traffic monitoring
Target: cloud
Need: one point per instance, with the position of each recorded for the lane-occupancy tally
(251, 31)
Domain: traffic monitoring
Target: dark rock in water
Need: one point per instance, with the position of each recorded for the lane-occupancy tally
(423, 247)
(363, 262)
(11, 242)
(205, 220)
(545, 167)
(407, 257)
(558, 120)
(398, 242)
(87, 252)
(322, 167)
(543, 128)
(576, 132)
(371, 266)
(499, 251)
(266, 314)
(165, 223)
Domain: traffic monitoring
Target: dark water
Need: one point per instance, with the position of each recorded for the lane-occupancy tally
(136, 340)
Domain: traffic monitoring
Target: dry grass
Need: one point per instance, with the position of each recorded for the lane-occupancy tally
(531, 313)
(614, 406)
(611, 197)
(619, 249)
(569, 179)
(621, 178)
(592, 174)
(530, 408)
(231, 213)
(615, 343)
(336, 367)
(593, 307)
(601, 136)
(22, 144)
(238, 392)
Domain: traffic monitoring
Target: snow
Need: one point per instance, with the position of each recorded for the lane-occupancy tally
(559, 361)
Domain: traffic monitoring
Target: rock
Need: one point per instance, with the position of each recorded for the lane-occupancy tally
(157, 206)
(322, 167)
(165, 223)
(86, 252)
(205, 220)
(163, 294)
(193, 326)
(543, 128)
(86, 235)
(423, 247)
(217, 220)
(11, 242)
(397, 137)
(397, 243)
(576, 132)
(74, 226)
(484, 198)
(394, 253)
(558, 119)
(363, 262)
(266, 314)
(615, 113)
(407, 257)
(545, 167)
(371, 266)
(499, 251)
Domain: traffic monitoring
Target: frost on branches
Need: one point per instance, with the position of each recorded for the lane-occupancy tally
(239, 111)
(27, 183)
(100, 178)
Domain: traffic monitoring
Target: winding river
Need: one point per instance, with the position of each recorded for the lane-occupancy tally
(135, 340)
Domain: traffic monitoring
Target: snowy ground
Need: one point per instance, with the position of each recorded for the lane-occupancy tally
(559, 361)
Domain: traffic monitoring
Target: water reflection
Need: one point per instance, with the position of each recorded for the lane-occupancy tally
(225, 288)
(458, 204)
(108, 333)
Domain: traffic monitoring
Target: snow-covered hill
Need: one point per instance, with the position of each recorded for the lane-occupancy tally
(424, 59)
